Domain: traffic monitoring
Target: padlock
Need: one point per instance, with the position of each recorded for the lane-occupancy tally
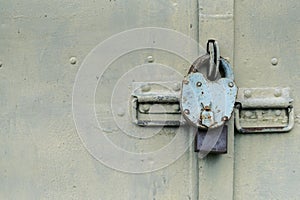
(208, 103)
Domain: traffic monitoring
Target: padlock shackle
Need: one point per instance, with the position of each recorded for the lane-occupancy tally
(227, 69)
(224, 65)
(213, 51)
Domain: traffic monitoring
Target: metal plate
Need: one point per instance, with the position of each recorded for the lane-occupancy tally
(264, 110)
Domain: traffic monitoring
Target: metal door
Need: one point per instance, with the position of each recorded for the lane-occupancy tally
(42, 46)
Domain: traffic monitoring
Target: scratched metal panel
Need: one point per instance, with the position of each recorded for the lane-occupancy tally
(267, 165)
(42, 156)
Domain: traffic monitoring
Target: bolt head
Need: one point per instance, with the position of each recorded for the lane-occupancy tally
(248, 113)
(278, 112)
(230, 84)
(274, 61)
(225, 118)
(186, 111)
(247, 93)
(150, 59)
(73, 60)
(277, 93)
(199, 84)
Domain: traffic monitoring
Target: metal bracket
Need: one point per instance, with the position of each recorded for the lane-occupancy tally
(156, 104)
(264, 110)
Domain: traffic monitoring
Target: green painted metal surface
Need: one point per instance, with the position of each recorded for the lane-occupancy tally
(42, 46)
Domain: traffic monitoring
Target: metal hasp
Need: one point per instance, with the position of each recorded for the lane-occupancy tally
(156, 104)
(264, 110)
(208, 99)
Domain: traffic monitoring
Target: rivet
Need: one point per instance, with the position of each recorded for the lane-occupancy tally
(230, 84)
(199, 84)
(277, 93)
(187, 111)
(247, 93)
(73, 60)
(150, 59)
(274, 61)
(146, 88)
(185, 81)
(146, 107)
(225, 118)
(278, 112)
(121, 112)
(176, 87)
(248, 113)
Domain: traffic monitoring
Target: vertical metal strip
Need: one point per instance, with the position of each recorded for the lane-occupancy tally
(216, 172)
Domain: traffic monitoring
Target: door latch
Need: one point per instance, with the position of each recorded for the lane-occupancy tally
(206, 99)
(264, 110)
(156, 104)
